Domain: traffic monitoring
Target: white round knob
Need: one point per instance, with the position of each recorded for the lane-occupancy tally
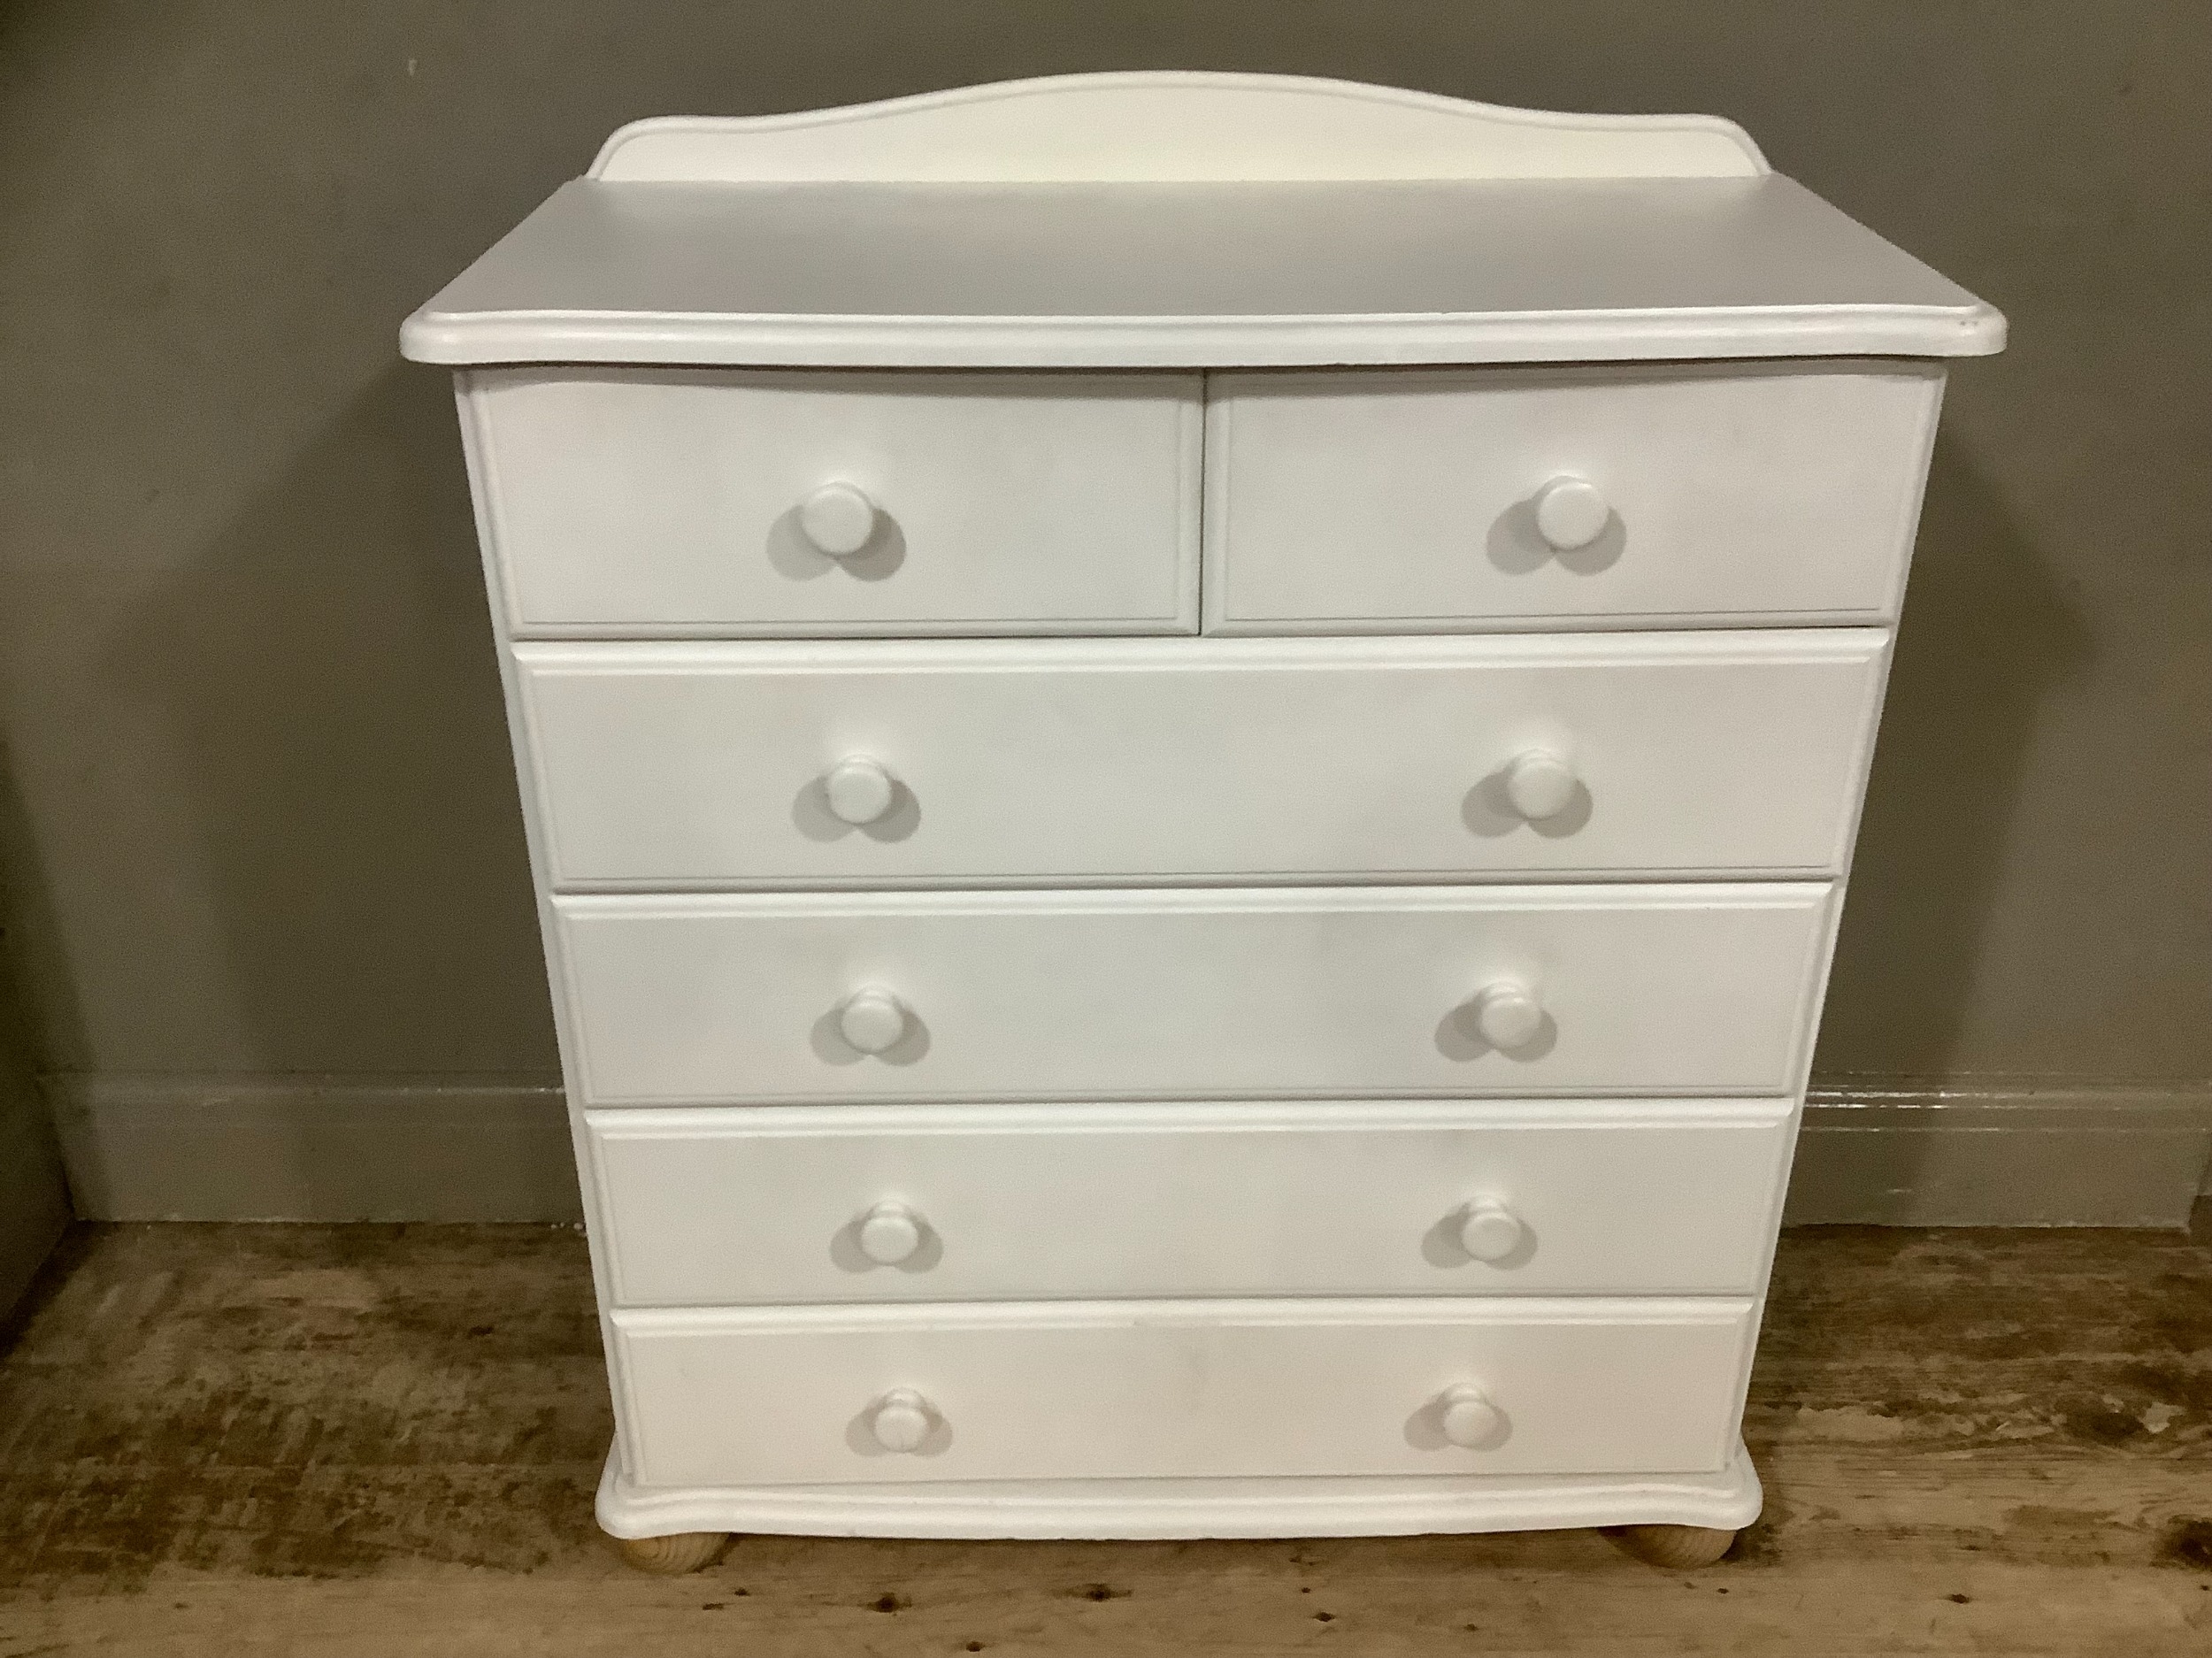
(1508, 1013)
(1469, 1420)
(889, 1233)
(872, 1020)
(838, 519)
(901, 1420)
(1488, 1230)
(860, 791)
(1539, 784)
(1571, 513)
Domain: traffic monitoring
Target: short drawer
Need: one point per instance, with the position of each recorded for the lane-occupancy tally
(1323, 992)
(1212, 759)
(1629, 496)
(636, 501)
(1138, 1389)
(919, 1202)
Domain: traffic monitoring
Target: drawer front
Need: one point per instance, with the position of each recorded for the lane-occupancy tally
(702, 501)
(917, 1202)
(1112, 1390)
(1432, 499)
(1209, 759)
(1207, 994)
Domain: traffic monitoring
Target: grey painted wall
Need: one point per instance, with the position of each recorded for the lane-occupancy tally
(259, 813)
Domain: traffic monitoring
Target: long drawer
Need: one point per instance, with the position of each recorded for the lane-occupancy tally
(710, 500)
(1235, 759)
(1650, 495)
(1138, 1389)
(1195, 993)
(918, 1202)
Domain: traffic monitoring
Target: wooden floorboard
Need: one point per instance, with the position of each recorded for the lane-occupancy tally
(249, 1440)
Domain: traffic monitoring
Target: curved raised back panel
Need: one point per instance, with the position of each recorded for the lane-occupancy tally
(1177, 128)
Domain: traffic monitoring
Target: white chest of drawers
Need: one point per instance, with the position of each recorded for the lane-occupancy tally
(1190, 743)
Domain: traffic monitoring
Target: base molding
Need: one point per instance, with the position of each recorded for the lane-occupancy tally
(1302, 1505)
(1899, 1154)
(315, 1147)
(170, 1146)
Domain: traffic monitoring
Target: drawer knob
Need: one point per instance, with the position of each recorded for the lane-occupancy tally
(1468, 1420)
(1539, 784)
(889, 1233)
(838, 520)
(872, 1020)
(1488, 1230)
(1508, 1013)
(859, 789)
(901, 1421)
(1571, 513)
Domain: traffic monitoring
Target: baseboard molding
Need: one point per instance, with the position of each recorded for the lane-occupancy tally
(1895, 1155)
(401, 1149)
(315, 1148)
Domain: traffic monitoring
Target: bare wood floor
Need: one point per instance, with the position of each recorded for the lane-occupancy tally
(247, 1440)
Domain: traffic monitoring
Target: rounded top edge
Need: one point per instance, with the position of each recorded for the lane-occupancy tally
(1181, 126)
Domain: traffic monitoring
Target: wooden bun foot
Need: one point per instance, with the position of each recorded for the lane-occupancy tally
(673, 1555)
(1678, 1547)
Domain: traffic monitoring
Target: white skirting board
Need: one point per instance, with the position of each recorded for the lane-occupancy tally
(470, 1148)
(315, 1147)
(1892, 1154)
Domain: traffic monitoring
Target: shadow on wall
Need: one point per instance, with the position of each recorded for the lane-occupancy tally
(35, 1208)
(48, 1027)
(328, 668)
(1985, 634)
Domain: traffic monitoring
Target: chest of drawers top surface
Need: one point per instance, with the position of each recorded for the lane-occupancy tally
(1207, 221)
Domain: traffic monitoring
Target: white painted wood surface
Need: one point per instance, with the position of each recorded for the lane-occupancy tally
(974, 762)
(762, 1204)
(1187, 220)
(1192, 276)
(1312, 992)
(957, 1031)
(1410, 500)
(629, 502)
(1201, 1389)
(1181, 124)
(1279, 1505)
